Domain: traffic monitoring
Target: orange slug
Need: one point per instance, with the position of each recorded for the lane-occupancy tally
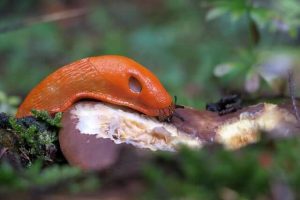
(110, 78)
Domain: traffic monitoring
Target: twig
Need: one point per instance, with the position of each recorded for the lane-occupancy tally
(291, 82)
(43, 19)
(3, 151)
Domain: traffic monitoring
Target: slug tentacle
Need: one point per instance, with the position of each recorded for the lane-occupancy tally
(165, 114)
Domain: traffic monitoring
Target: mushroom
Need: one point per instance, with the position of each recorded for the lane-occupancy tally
(94, 133)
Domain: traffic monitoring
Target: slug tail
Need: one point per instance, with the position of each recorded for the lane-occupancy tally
(57, 91)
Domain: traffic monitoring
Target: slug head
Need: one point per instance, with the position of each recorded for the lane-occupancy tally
(130, 84)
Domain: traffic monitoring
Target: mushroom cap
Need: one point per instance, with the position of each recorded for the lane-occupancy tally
(83, 150)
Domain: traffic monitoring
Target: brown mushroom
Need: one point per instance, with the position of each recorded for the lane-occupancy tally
(83, 150)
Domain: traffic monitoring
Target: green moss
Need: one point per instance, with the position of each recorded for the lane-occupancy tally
(35, 143)
(44, 116)
(35, 139)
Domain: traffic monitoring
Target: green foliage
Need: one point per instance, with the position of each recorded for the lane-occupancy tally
(278, 15)
(237, 9)
(257, 18)
(249, 173)
(180, 42)
(8, 103)
(36, 178)
(198, 49)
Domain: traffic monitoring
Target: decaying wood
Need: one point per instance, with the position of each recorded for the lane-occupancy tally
(240, 128)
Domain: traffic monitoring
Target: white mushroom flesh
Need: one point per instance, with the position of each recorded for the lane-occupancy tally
(125, 126)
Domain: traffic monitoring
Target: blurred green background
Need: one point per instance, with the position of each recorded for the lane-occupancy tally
(199, 49)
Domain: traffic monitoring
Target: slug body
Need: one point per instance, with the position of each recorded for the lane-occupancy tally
(113, 79)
